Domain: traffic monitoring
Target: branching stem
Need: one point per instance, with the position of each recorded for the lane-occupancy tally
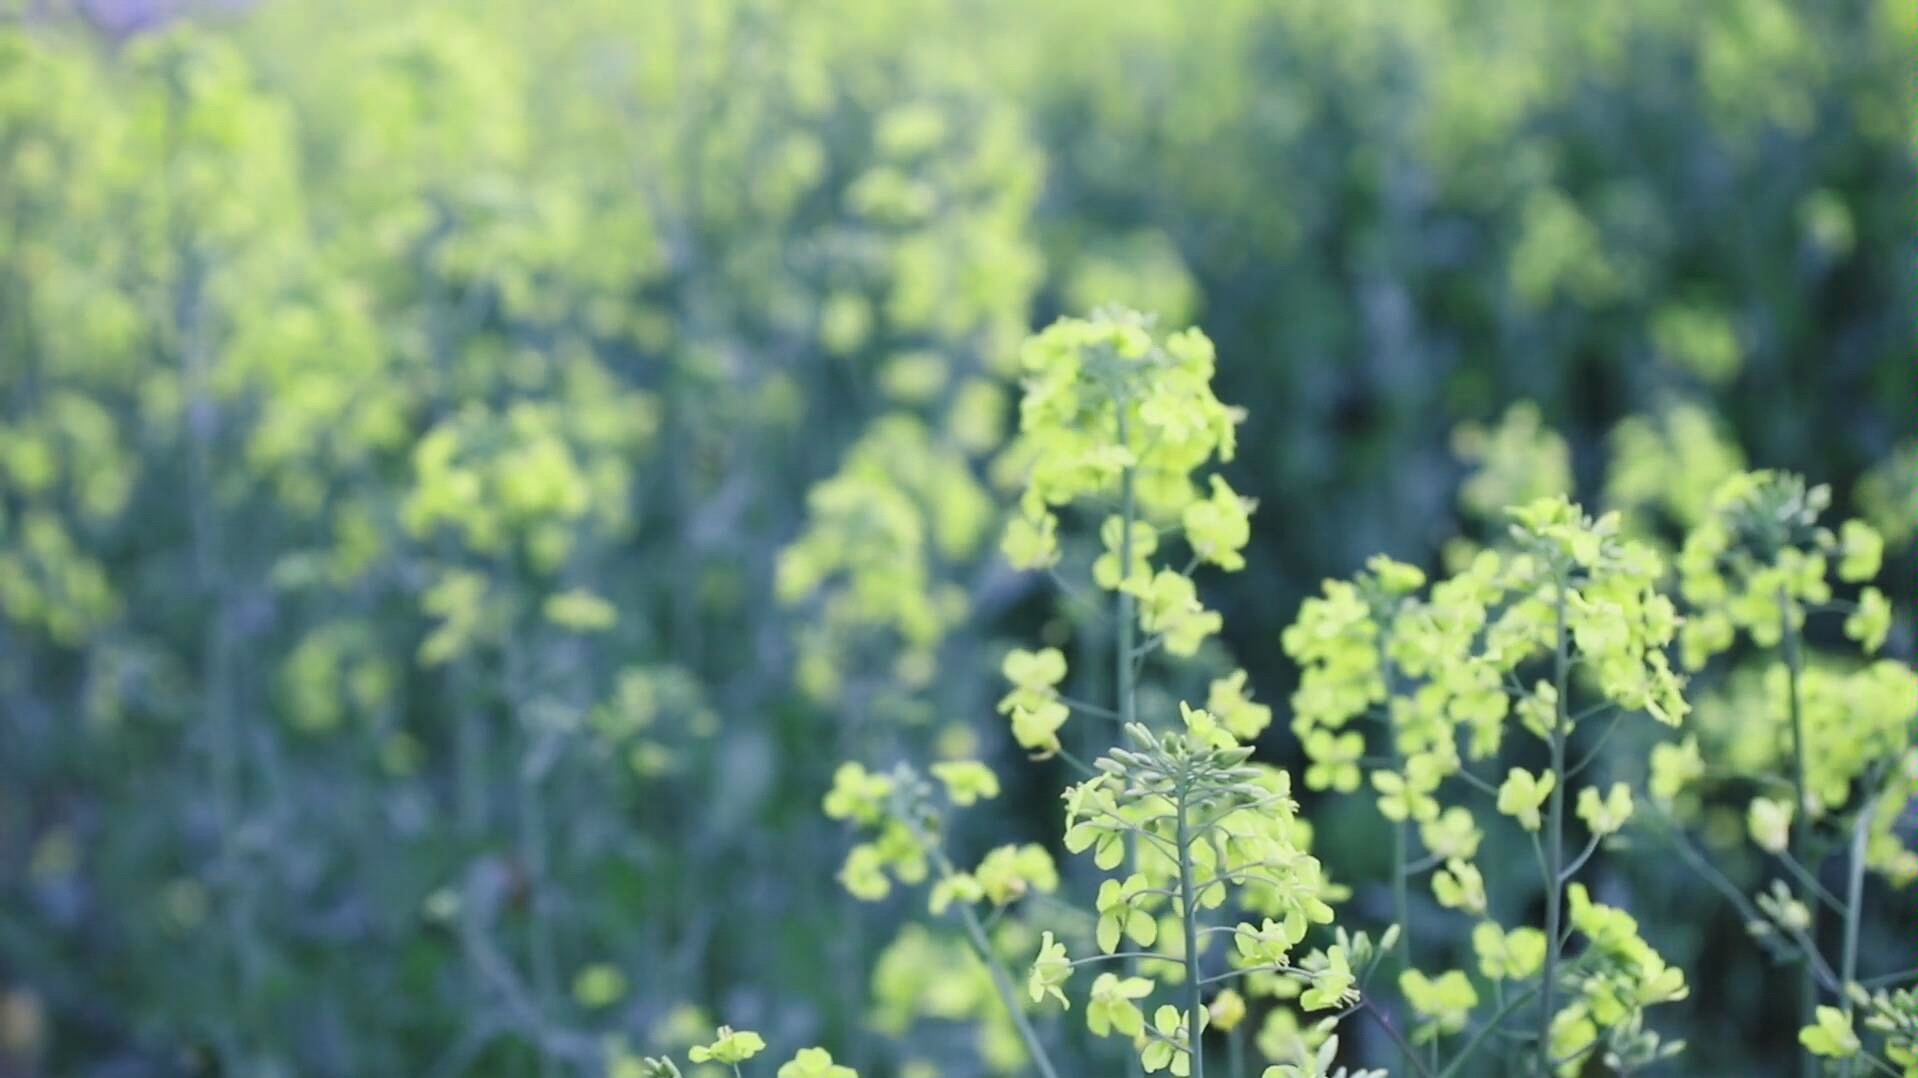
(1189, 918)
(1854, 914)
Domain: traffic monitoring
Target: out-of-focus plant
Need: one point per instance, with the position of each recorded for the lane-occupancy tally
(1887, 496)
(443, 392)
(402, 411)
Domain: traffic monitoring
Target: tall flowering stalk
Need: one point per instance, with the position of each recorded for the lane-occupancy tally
(1829, 745)
(1573, 608)
(1118, 421)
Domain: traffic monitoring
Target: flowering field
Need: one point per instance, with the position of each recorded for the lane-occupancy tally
(957, 539)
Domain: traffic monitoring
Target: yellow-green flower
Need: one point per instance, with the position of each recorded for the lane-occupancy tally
(580, 611)
(1333, 985)
(1871, 622)
(1031, 540)
(599, 985)
(1112, 1005)
(1226, 1011)
(1460, 886)
(864, 873)
(1863, 551)
(1831, 1035)
(1769, 821)
(1009, 872)
(1171, 1047)
(1049, 971)
(1523, 794)
(1119, 914)
(1228, 699)
(731, 1047)
(967, 781)
(1219, 527)
(1445, 1004)
(1407, 796)
(857, 794)
(1335, 760)
(1508, 956)
(1674, 767)
(814, 1063)
(1453, 835)
(1608, 814)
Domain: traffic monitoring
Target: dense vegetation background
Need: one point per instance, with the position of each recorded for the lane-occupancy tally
(405, 408)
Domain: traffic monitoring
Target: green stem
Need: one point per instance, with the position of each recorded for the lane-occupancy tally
(1854, 914)
(1411, 1054)
(1128, 604)
(982, 946)
(1800, 817)
(1008, 995)
(1189, 916)
(1490, 1027)
(1127, 703)
(1555, 841)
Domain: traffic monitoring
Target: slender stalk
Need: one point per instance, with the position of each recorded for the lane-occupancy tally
(1891, 980)
(1854, 914)
(1491, 1026)
(982, 946)
(1555, 841)
(1807, 880)
(1128, 702)
(1882, 1065)
(1124, 647)
(1189, 915)
(1800, 818)
(1235, 974)
(1144, 956)
(1702, 865)
(1411, 1054)
(1008, 995)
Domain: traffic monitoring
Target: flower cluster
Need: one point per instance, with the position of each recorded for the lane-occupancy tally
(905, 816)
(1105, 397)
(1762, 558)
(1199, 828)
(1444, 671)
(1119, 420)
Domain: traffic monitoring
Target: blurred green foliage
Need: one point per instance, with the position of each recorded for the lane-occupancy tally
(421, 652)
